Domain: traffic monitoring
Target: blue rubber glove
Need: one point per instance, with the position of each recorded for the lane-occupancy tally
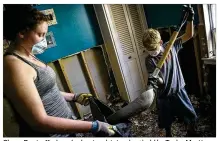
(102, 129)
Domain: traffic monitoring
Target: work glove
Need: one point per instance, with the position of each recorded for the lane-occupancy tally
(102, 129)
(155, 82)
(191, 13)
(82, 98)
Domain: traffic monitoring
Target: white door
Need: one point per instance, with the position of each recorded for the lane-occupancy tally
(131, 65)
(138, 24)
(122, 29)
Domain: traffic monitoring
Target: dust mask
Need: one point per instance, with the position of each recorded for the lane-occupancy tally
(155, 52)
(40, 47)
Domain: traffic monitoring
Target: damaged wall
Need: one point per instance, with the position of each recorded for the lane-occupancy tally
(77, 78)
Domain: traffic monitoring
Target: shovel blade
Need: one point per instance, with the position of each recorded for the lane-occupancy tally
(141, 103)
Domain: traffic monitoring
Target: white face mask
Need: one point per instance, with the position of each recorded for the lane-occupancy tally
(40, 47)
(155, 52)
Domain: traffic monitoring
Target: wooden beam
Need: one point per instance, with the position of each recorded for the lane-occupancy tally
(88, 74)
(67, 86)
(198, 62)
(200, 13)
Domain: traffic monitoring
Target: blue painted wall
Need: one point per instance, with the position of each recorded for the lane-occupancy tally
(163, 15)
(77, 30)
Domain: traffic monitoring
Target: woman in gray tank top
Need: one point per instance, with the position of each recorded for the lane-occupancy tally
(30, 85)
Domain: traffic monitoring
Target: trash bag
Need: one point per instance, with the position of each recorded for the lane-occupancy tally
(101, 111)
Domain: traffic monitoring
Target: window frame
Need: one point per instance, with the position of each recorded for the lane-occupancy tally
(210, 29)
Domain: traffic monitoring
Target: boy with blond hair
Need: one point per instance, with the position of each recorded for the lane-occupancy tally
(172, 99)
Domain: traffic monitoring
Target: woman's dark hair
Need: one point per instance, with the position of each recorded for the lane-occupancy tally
(20, 17)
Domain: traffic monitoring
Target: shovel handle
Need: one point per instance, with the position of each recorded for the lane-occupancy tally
(170, 44)
(167, 50)
(172, 39)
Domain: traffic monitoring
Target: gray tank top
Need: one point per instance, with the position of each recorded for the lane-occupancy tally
(54, 103)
